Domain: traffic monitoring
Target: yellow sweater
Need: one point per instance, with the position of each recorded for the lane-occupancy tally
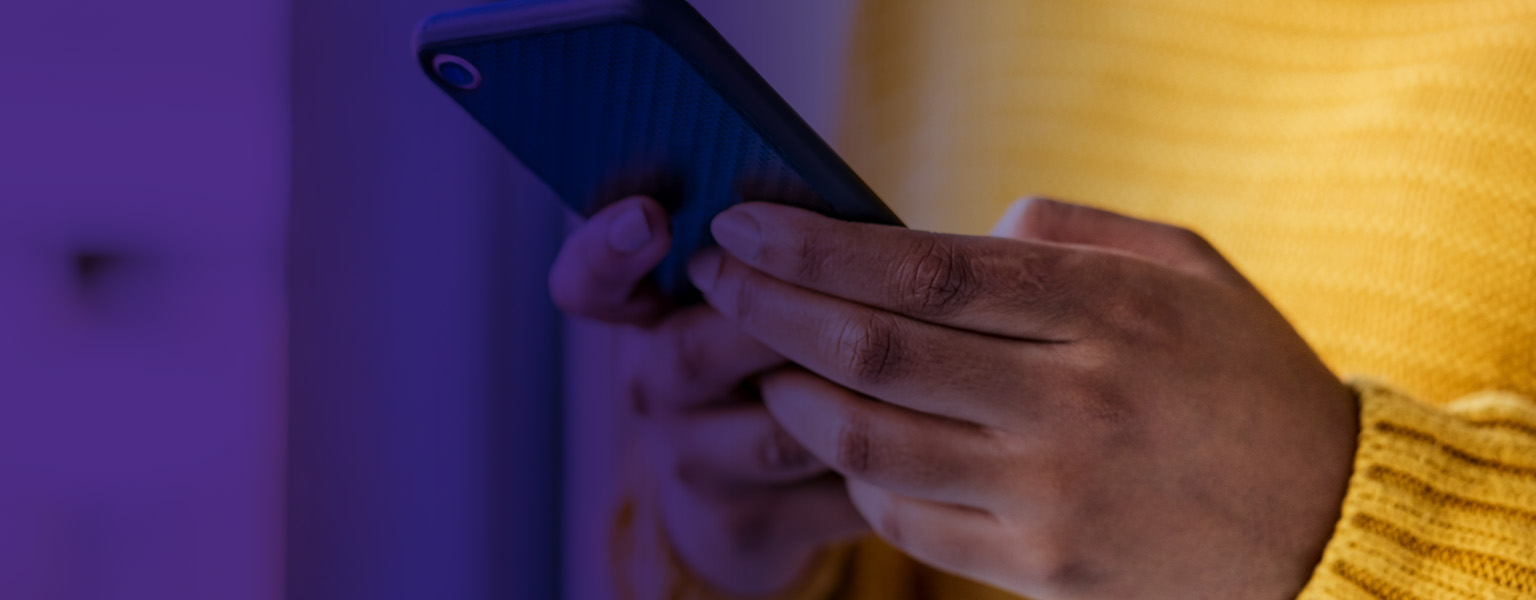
(1371, 165)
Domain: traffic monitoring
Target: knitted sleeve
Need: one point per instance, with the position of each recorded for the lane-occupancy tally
(1442, 503)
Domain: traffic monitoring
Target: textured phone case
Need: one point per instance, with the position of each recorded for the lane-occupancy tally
(606, 110)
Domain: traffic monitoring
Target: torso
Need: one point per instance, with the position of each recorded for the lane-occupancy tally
(1371, 166)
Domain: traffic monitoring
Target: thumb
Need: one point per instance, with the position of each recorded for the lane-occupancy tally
(1042, 220)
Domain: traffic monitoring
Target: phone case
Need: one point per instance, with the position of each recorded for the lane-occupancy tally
(607, 98)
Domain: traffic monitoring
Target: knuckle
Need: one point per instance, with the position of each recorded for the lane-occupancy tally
(955, 552)
(952, 550)
(870, 348)
(1055, 556)
(1142, 315)
(1036, 282)
(811, 252)
(1099, 417)
(1056, 563)
(1010, 447)
(936, 279)
(1125, 313)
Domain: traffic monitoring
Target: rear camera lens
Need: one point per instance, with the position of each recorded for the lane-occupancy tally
(457, 75)
(456, 71)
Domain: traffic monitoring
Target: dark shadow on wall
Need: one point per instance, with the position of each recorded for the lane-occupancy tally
(424, 358)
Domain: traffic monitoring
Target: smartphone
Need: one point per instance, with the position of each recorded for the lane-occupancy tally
(603, 99)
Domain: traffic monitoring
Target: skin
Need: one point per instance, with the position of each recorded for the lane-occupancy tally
(1098, 407)
(741, 502)
(1093, 407)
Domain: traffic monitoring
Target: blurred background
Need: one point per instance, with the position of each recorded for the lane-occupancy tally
(273, 319)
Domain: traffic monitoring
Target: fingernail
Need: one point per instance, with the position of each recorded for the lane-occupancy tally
(704, 269)
(739, 233)
(630, 231)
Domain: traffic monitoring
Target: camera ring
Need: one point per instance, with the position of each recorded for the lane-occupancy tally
(468, 78)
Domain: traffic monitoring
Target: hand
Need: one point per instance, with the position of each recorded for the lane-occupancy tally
(743, 504)
(1103, 408)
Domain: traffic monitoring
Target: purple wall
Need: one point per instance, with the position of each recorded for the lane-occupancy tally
(424, 421)
(143, 173)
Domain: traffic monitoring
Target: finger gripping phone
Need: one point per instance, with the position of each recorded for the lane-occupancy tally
(603, 99)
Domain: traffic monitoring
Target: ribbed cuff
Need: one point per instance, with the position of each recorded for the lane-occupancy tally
(1442, 502)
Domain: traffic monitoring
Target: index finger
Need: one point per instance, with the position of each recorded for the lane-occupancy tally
(1013, 288)
(926, 367)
